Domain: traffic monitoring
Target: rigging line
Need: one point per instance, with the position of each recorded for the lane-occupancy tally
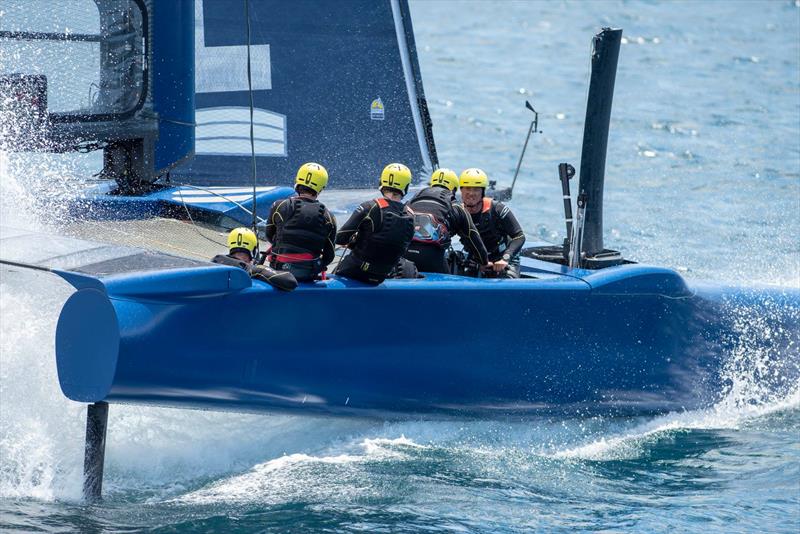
(26, 265)
(227, 199)
(345, 250)
(252, 135)
(179, 123)
(341, 258)
(194, 224)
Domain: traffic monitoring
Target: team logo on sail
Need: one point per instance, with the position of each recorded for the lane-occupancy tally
(376, 110)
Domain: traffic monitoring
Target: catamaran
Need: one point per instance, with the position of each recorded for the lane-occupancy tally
(202, 111)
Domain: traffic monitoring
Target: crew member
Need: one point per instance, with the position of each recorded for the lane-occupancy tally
(302, 231)
(242, 251)
(499, 229)
(379, 232)
(436, 217)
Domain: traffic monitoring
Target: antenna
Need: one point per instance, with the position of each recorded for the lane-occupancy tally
(534, 127)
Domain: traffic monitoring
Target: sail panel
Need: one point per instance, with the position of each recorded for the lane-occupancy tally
(333, 82)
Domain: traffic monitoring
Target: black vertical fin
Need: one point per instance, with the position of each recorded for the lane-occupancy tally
(605, 54)
(95, 452)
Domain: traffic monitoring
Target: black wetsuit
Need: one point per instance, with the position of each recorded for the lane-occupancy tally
(436, 219)
(380, 231)
(279, 279)
(502, 235)
(302, 232)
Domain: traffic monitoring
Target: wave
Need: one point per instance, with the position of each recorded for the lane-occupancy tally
(634, 443)
(759, 377)
(291, 476)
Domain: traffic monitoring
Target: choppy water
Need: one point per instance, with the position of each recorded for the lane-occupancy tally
(703, 175)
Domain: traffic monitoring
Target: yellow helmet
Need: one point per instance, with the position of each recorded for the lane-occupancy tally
(473, 178)
(397, 176)
(243, 239)
(445, 177)
(312, 175)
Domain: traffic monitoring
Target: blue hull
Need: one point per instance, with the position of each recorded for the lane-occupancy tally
(626, 339)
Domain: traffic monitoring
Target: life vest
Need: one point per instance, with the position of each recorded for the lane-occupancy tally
(384, 246)
(303, 235)
(488, 226)
(431, 207)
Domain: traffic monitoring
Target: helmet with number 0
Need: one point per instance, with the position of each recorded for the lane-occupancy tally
(312, 175)
(397, 176)
(473, 178)
(243, 240)
(446, 178)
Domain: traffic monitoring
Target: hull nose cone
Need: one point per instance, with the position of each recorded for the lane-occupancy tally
(87, 346)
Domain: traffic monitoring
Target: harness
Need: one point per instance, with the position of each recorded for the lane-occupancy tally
(384, 246)
(303, 235)
(292, 258)
(299, 241)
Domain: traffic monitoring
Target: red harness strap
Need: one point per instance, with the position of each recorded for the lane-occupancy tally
(292, 258)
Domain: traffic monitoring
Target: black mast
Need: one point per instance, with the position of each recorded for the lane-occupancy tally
(605, 54)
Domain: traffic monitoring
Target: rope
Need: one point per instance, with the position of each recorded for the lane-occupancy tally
(194, 225)
(252, 135)
(220, 195)
(26, 265)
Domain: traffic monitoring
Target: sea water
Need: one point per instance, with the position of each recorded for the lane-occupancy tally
(703, 175)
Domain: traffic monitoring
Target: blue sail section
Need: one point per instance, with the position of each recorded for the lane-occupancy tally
(173, 81)
(333, 82)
